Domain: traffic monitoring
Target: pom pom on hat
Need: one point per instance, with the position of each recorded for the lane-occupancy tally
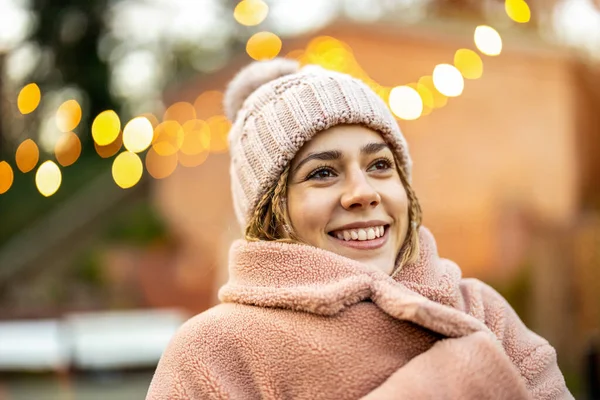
(251, 78)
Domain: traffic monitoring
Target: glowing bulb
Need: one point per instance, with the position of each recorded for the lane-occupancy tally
(67, 149)
(468, 63)
(159, 167)
(263, 46)
(488, 40)
(127, 169)
(138, 134)
(405, 102)
(448, 80)
(29, 98)
(48, 178)
(517, 10)
(6, 177)
(27, 156)
(68, 115)
(251, 12)
(106, 127)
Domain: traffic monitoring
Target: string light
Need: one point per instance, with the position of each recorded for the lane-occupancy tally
(68, 116)
(27, 156)
(405, 102)
(488, 40)
(263, 46)
(48, 178)
(6, 177)
(251, 12)
(29, 98)
(127, 169)
(106, 127)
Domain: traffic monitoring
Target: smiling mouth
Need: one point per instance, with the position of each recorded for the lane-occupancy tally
(360, 234)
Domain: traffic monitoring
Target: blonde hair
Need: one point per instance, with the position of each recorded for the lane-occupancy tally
(270, 220)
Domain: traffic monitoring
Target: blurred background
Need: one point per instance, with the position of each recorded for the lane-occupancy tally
(115, 211)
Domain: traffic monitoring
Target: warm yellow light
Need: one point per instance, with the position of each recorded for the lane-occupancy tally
(425, 84)
(29, 98)
(517, 10)
(110, 149)
(209, 104)
(168, 138)
(48, 178)
(67, 149)
(468, 63)
(138, 134)
(196, 137)
(405, 102)
(219, 130)
(159, 167)
(180, 112)
(251, 12)
(448, 80)
(127, 169)
(106, 127)
(488, 40)
(68, 115)
(6, 177)
(263, 46)
(193, 160)
(27, 156)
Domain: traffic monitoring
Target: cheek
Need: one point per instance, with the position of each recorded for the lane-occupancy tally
(310, 210)
(395, 200)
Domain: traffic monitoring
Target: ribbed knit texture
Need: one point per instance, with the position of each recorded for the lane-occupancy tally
(284, 112)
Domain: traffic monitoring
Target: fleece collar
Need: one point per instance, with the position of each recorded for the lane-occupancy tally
(305, 278)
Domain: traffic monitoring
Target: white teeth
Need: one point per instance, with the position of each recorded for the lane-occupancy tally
(361, 234)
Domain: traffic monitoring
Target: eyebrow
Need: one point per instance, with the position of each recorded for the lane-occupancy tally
(371, 148)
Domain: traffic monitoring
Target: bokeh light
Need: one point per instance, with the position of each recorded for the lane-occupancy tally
(160, 167)
(29, 98)
(68, 116)
(127, 169)
(208, 104)
(106, 127)
(196, 137)
(426, 83)
(27, 156)
(138, 134)
(426, 98)
(48, 178)
(405, 102)
(251, 12)
(150, 117)
(6, 177)
(180, 112)
(168, 138)
(448, 80)
(219, 130)
(468, 63)
(110, 149)
(263, 46)
(194, 160)
(488, 40)
(67, 149)
(517, 10)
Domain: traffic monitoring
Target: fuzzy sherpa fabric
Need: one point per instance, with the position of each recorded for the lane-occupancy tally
(298, 322)
(276, 107)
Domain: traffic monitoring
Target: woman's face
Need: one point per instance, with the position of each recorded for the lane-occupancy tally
(345, 196)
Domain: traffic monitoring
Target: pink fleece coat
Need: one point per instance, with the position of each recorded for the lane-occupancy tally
(298, 322)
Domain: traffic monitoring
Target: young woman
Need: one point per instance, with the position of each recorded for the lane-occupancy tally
(337, 291)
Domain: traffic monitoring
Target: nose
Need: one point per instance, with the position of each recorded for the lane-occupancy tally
(359, 193)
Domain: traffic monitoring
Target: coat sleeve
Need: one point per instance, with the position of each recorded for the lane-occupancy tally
(185, 370)
(471, 367)
(534, 357)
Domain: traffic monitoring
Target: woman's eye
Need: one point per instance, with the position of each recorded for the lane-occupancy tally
(380, 165)
(323, 173)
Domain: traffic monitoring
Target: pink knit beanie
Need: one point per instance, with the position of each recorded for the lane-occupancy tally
(276, 107)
